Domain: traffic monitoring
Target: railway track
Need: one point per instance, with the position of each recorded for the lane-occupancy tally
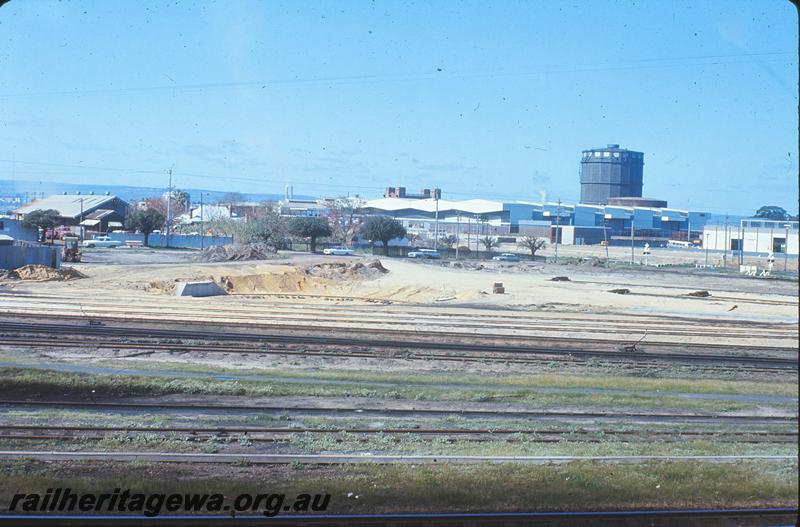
(259, 409)
(337, 459)
(739, 517)
(101, 337)
(275, 434)
(395, 318)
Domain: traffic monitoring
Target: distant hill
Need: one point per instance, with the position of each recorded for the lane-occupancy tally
(26, 189)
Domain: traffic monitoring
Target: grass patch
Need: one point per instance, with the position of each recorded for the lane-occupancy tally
(617, 382)
(441, 488)
(29, 383)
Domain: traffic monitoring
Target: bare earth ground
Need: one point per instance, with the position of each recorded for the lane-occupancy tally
(422, 299)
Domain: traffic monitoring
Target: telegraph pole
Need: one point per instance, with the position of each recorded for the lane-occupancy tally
(632, 255)
(202, 227)
(558, 225)
(725, 247)
(458, 233)
(169, 205)
(786, 248)
(436, 228)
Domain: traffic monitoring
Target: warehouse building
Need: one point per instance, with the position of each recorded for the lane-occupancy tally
(93, 212)
(753, 236)
(571, 224)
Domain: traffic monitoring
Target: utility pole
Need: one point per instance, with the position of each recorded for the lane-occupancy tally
(80, 224)
(716, 232)
(202, 228)
(436, 228)
(632, 255)
(558, 226)
(458, 233)
(725, 247)
(605, 237)
(169, 205)
(786, 248)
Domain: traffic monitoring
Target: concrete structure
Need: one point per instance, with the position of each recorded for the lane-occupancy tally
(14, 229)
(753, 236)
(610, 172)
(204, 288)
(75, 209)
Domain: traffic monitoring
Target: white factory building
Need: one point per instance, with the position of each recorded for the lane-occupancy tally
(754, 236)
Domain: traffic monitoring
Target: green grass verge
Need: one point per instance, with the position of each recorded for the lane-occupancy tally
(26, 383)
(440, 488)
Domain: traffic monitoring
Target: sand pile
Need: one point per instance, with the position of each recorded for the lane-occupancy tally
(293, 280)
(237, 251)
(347, 271)
(314, 278)
(43, 273)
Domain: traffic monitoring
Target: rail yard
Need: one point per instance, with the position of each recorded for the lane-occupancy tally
(672, 388)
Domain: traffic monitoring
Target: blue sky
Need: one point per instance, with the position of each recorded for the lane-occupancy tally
(481, 99)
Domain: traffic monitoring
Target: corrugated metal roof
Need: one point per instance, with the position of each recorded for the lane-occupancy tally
(67, 205)
(470, 206)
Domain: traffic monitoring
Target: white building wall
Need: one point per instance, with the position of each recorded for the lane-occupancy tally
(755, 240)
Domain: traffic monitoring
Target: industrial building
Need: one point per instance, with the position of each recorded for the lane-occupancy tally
(570, 224)
(753, 236)
(93, 212)
(610, 172)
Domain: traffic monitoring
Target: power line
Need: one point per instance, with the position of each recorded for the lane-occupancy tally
(665, 62)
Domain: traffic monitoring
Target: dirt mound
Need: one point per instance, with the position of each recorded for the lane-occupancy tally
(623, 291)
(42, 273)
(237, 251)
(293, 280)
(347, 271)
(560, 279)
(161, 286)
(701, 294)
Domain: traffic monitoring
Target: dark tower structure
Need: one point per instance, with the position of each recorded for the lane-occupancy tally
(610, 172)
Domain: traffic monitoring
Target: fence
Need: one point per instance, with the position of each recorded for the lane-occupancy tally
(182, 241)
(21, 254)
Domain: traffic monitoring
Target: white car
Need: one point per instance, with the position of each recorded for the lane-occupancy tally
(425, 253)
(338, 251)
(101, 241)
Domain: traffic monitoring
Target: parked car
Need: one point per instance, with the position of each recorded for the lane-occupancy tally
(506, 257)
(101, 241)
(425, 253)
(338, 251)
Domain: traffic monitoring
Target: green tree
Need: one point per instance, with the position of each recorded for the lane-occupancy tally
(146, 221)
(42, 219)
(309, 227)
(382, 228)
(772, 212)
(532, 243)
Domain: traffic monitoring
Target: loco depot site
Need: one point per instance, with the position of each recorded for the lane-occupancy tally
(607, 388)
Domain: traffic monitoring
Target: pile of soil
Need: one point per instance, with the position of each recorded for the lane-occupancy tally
(623, 291)
(701, 294)
(560, 279)
(293, 280)
(236, 252)
(42, 273)
(347, 271)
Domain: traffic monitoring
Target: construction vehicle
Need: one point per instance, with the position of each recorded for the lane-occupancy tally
(71, 251)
